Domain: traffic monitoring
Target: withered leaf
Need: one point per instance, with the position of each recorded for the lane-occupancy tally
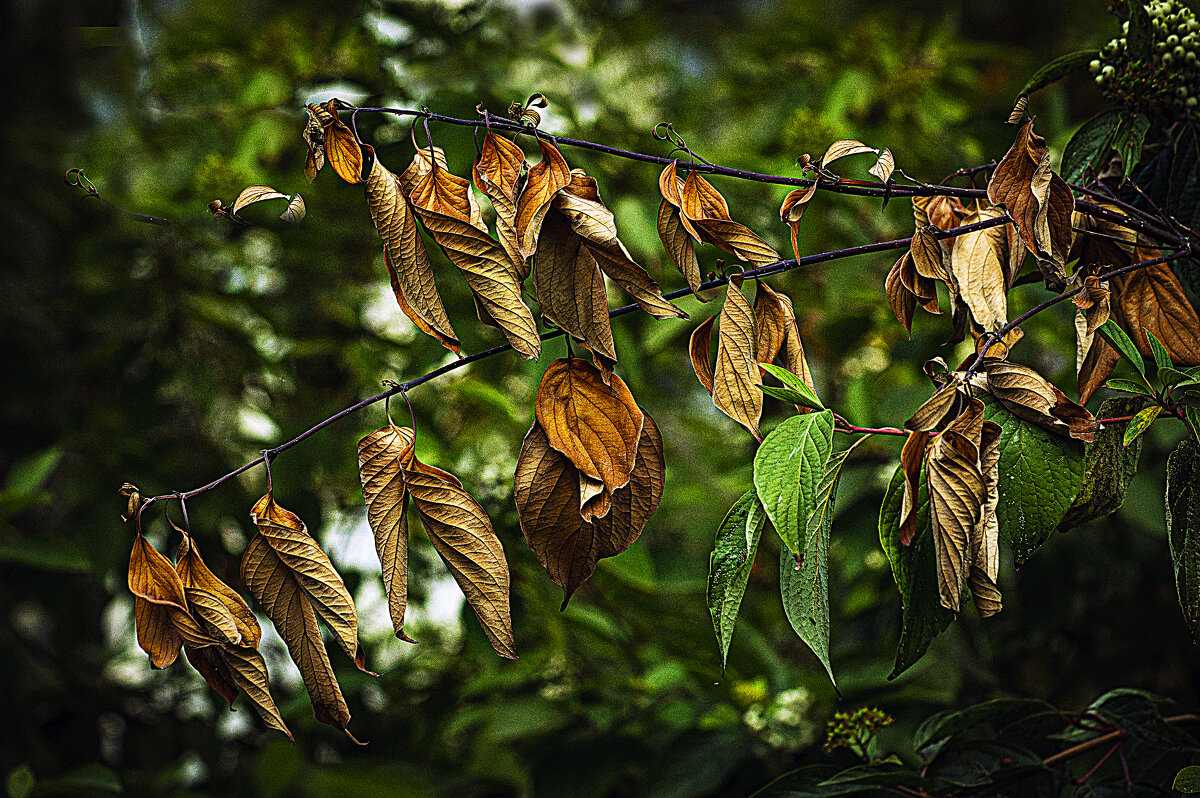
(1028, 395)
(956, 497)
(248, 671)
(408, 264)
(792, 211)
(160, 607)
(885, 165)
(596, 425)
(843, 147)
(462, 534)
(445, 205)
(708, 213)
(196, 575)
(912, 461)
(274, 586)
(253, 194)
(548, 499)
(569, 286)
(698, 348)
(678, 243)
(1151, 299)
(777, 334)
(985, 538)
(342, 148)
(580, 203)
(976, 264)
(314, 139)
(736, 376)
(382, 457)
(930, 255)
(545, 179)
(1097, 364)
(1038, 200)
(944, 406)
(295, 211)
(495, 173)
(312, 571)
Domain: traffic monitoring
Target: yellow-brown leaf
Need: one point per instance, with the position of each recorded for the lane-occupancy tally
(545, 179)
(382, 457)
(570, 288)
(736, 376)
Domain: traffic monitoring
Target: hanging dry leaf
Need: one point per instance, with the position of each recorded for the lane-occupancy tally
(196, 576)
(912, 460)
(1151, 299)
(445, 205)
(677, 234)
(942, 212)
(976, 264)
(777, 335)
(956, 497)
(382, 457)
(548, 499)
(1030, 396)
(342, 147)
(545, 179)
(699, 346)
(930, 255)
(160, 606)
(884, 166)
(253, 194)
(580, 203)
(569, 286)
(902, 301)
(706, 210)
(792, 210)
(736, 376)
(1038, 200)
(842, 148)
(408, 265)
(462, 534)
(596, 425)
(985, 537)
(944, 406)
(314, 139)
(496, 172)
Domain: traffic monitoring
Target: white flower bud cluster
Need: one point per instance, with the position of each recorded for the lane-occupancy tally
(1168, 82)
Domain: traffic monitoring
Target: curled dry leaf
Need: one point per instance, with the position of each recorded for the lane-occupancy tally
(314, 139)
(1151, 299)
(884, 166)
(985, 538)
(160, 607)
(976, 267)
(1038, 200)
(569, 287)
(1029, 395)
(944, 406)
(792, 210)
(545, 179)
(462, 534)
(409, 270)
(341, 147)
(842, 148)
(382, 458)
(293, 581)
(548, 499)
(677, 234)
(736, 376)
(902, 301)
(956, 497)
(912, 460)
(930, 256)
(596, 425)
(253, 194)
(496, 172)
(698, 348)
(777, 335)
(447, 208)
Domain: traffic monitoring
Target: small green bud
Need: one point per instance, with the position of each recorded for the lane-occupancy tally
(1107, 71)
(1191, 102)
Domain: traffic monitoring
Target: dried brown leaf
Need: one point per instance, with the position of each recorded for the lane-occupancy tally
(736, 376)
(912, 460)
(596, 425)
(382, 457)
(1152, 299)
(985, 537)
(778, 335)
(698, 347)
(342, 148)
(842, 148)
(792, 211)
(569, 286)
(462, 534)
(1030, 396)
(884, 166)
(956, 496)
(253, 194)
(545, 179)
(495, 173)
(902, 301)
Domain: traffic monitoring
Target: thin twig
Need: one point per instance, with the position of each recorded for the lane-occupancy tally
(1105, 739)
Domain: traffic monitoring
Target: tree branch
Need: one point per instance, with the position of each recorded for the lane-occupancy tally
(1105, 739)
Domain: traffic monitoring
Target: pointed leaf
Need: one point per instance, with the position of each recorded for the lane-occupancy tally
(698, 348)
(797, 391)
(1183, 526)
(730, 563)
(842, 148)
(1141, 421)
(787, 470)
(1116, 337)
(253, 194)
(382, 457)
(735, 377)
(545, 179)
(1108, 467)
(462, 534)
(1162, 358)
(570, 288)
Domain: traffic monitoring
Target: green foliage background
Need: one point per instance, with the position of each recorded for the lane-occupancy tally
(168, 355)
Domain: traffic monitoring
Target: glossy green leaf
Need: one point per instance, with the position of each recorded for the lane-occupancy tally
(797, 387)
(1128, 386)
(788, 467)
(804, 585)
(1058, 69)
(915, 570)
(1187, 780)
(1117, 338)
(1127, 140)
(788, 395)
(1162, 358)
(1183, 526)
(1139, 713)
(1040, 475)
(1108, 467)
(1141, 422)
(1086, 148)
(730, 563)
(1173, 377)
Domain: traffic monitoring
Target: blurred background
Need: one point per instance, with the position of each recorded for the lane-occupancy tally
(167, 355)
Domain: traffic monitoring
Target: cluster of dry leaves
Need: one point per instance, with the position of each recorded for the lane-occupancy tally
(591, 468)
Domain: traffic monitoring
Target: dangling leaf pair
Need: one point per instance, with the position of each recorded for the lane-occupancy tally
(458, 527)
(693, 211)
(186, 605)
(329, 138)
(590, 473)
(747, 336)
(961, 467)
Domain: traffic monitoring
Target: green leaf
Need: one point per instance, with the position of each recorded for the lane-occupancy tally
(1140, 423)
(1192, 415)
(804, 585)
(1108, 467)
(996, 713)
(1140, 39)
(1187, 780)
(915, 570)
(1127, 140)
(1169, 375)
(1183, 526)
(787, 468)
(1040, 475)
(1118, 340)
(799, 392)
(1087, 147)
(1138, 713)
(1058, 69)
(788, 395)
(730, 563)
(1128, 386)
(20, 782)
(28, 475)
(1162, 358)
